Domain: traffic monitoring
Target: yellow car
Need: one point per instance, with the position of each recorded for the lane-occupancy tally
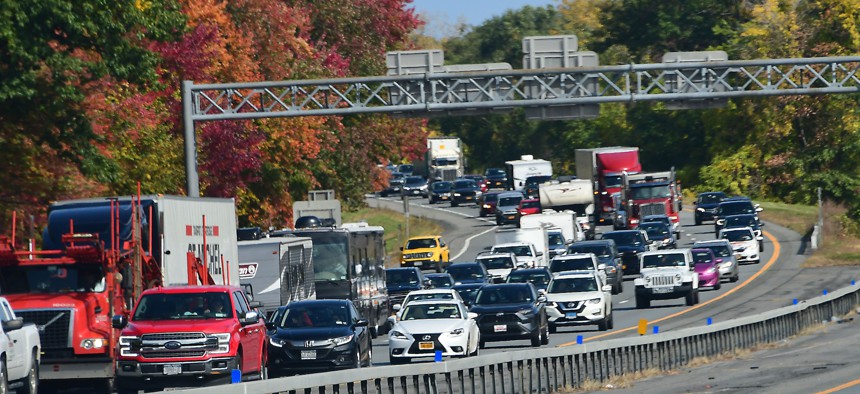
(425, 252)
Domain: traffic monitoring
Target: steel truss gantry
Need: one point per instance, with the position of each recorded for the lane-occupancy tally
(462, 93)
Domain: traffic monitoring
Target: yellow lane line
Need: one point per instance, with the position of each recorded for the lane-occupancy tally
(770, 262)
(842, 387)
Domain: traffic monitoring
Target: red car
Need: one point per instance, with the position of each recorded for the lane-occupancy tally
(528, 207)
(488, 203)
(706, 267)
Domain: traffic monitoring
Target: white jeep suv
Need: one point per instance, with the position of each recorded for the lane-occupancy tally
(666, 274)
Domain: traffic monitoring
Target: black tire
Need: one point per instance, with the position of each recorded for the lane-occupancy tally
(482, 344)
(374, 331)
(477, 350)
(536, 337)
(31, 383)
(545, 339)
(369, 354)
(453, 204)
(611, 323)
(734, 278)
(698, 221)
(642, 302)
(553, 328)
(603, 325)
(482, 214)
(498, 222)
(4, 379)
(123, 387)
(690, 298)
(358, 362)
(718, 286)
(439, 268)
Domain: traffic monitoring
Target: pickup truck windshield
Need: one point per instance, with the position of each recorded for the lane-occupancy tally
(66, 278)
(176, 306)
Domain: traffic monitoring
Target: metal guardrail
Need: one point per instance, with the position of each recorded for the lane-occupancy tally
(554, 369)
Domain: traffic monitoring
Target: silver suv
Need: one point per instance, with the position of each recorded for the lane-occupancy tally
(506, 207)
(726, 261)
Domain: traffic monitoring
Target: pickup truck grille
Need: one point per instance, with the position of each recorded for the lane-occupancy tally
(652, 209)
(662, 281)
(173, 336)
(172, 354)
(55, 326)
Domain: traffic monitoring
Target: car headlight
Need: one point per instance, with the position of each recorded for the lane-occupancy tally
(741, 249)
(712, 270)
(93, 343)
(700, 209)
(223, 342)
(276, 342)
(342, 340)
(666, 241)
(677, 277)
(487, 206)
(594, 301)
(721, 222)
(397, 334)
(456, 332)
(456, 194)
(129, 346)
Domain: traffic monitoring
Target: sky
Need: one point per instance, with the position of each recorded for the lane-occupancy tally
(444, 15)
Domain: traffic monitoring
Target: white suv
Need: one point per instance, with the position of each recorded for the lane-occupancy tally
(499, 264)
(579, 298)
(744, 243)
(666, 274)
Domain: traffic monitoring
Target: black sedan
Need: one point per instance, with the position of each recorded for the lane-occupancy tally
(464, 191)
(440, 191)
(318, 335)
(511, 311)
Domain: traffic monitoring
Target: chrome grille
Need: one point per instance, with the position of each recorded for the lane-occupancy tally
(55, 326)
(173, 336)
(662, 281)
(652, 209)
(173, 354)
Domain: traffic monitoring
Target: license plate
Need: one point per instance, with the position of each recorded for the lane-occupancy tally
(570, 315)
(417, 263)
(172, 369)
(309, 354)
(444, 197)
(416, 192)
(662, 290)
(500, 328)
(510, 217)
(425, 345)
(468, 198)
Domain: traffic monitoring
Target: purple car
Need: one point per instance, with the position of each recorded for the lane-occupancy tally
(706, 267)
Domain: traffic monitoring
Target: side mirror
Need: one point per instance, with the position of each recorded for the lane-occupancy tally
(361, 323)
(119, 321)
(761, 224)
(695, 203)
(759, 238)
(250, 317)
(396, 307)
(601, 267)
(255, 304)
(14, 324)
(541, 299)
(539, 254)
(607, 288)
(472, 315)
(759, 209)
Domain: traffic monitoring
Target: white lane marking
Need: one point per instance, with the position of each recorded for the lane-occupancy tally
(468, 241)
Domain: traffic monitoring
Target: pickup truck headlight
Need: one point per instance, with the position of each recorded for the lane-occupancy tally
(93, 343)
(223, 342)
(342, 340)
(129, 346)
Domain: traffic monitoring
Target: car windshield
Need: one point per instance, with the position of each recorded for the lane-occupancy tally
(176, 306)
(431, 311)
(414, 181)
(738, 236)
(491, 197)
(316, 315)
(468, 293)
(442, 186)
(495, 263)
(428, 296)
(503, 295)
(401, 277)
(421, 243)
(702, 257)
(442, 281)
(65, 278)
(649, 192)
(663, 260)
(465, 272)
(599, 251)
(530, 204)
(577, 264)
(571, 285)
(509, 201)
(538, 279)
(624, 238)
(445, 161)
(719, 250)
(519, 250)
(465, 184)
(537, 180)
(654, 229)
(495, 172)
(736, 208)
(710, 198)
(555, 239)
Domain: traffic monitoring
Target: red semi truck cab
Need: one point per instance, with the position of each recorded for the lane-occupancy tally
(652, 194)
(180, 336)
(606, 167)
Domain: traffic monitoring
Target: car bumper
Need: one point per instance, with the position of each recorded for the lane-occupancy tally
(709, 280)
(499, 331)
(312, 359)
(664, 292)
(420, 263)
(587, 315)
(728, 270)
(464, 199)
(706, 215)
(138, 369)
(747, 257)
(411, 347)
(507, 218)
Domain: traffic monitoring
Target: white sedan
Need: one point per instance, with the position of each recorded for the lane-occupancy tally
(744, 243)
(429, 326)
(578, 298)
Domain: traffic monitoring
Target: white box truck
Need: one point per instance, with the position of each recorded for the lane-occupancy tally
(277, 271)
(520, 170)
(443, 160)
(564, 221)
(536, 236)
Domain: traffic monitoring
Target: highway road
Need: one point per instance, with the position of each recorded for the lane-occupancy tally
(773, 283)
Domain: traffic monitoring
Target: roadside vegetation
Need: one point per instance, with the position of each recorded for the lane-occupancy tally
(395, 228)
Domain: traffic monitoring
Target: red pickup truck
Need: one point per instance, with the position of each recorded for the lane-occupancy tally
(189, 336)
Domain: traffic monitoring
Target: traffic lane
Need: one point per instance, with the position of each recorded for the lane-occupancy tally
(822, 362)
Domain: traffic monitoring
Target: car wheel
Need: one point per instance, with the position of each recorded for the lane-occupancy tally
(545, 339)
(642, 302)
(477, 350)
(690, 298)
(735, 278)
(698, 221)
(536, 337)
(611, 324)
(31, 383)
(498, 222)
(439, 268)
(718, 286)
(603, 325)
(482, 344)
(553, 328)
(482, 214)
